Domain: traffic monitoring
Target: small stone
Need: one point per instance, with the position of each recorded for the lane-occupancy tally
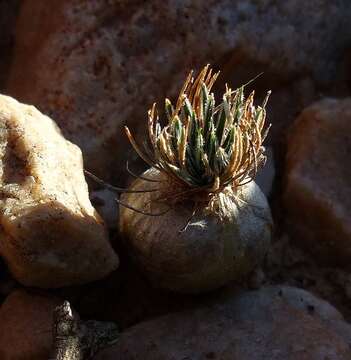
(104, 201)
(26, 323)
(256, 279)
(50, 234)
(317, 191)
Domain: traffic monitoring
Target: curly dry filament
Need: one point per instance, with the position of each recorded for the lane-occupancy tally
(183, 229)
(130, 172)
(141, 211)
(143, 156)
(182, 193)
(115, 188)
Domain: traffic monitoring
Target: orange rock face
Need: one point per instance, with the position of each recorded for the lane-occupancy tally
(317, 191)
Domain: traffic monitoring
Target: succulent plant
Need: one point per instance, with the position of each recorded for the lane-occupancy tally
(216, 223)
(204, 147)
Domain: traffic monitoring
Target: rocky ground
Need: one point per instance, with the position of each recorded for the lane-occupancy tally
(95, 66)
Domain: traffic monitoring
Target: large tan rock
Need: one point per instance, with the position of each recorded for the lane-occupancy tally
(26, 322)
(318, 180)
(278, 323)
(97, 65)
(50, 234)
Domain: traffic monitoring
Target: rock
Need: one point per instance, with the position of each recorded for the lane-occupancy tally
(104, 201)
(127, 298)
(287, 263)
(271, 323)
(317, 190)
(265, 176)
(50, 234)
(8, 13)
(77, 340)
(26, 326)
(7, 285)
(97, 66)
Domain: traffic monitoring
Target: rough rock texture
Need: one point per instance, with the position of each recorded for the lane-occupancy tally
(79, 340)
(318, 179)
(50, 234)
(289, 264)
(97, 65)
(26, 326)
(276, 323)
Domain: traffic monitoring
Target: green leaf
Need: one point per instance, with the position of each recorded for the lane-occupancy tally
(204, 100)
(208, 117)
(237, 108)
(222, 118)
(220, 162)
(175, 134)
(227, 145)
(189, 112)
(191, 165)
(198, 150)
(169, 110)
(212, 147)
(181, 173)
(176, 129)
(193, 130)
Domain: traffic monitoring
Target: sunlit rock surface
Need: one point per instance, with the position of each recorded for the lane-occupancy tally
(50, 234)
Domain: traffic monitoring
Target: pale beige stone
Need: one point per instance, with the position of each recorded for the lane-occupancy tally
(50, 236)
(318, 180)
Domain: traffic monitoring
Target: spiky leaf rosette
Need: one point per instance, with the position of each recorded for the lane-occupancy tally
(203, 146)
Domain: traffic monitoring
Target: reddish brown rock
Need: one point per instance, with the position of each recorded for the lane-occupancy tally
(26, 326)
(8, 14)
(97, 65)
(318, 180)
(277, 323)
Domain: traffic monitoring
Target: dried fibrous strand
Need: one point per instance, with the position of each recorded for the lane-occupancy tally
(114, 188)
